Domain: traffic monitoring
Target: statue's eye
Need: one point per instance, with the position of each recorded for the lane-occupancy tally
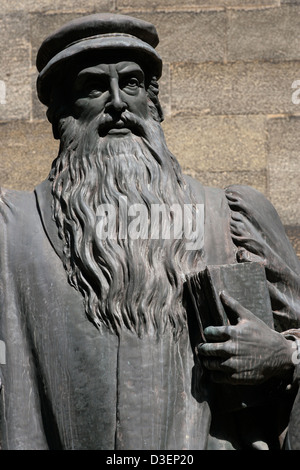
(93, 92)
(133, 82)
(130, 84)
(94, 89)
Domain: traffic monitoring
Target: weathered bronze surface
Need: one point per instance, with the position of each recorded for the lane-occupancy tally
(140, 309)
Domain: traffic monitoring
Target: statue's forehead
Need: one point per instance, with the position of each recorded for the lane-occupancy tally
(122, 67)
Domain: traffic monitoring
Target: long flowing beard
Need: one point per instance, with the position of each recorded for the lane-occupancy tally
(126, 283)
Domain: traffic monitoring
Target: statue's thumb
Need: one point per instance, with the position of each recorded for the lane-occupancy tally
(234, 310)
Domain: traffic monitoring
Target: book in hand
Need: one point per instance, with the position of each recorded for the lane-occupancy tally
(246, 283)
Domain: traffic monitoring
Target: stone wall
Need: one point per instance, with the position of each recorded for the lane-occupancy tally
(231, 112)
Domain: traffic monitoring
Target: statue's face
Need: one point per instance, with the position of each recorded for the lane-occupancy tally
(110, 89)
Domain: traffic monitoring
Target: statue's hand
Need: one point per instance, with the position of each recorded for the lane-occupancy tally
(247, 352)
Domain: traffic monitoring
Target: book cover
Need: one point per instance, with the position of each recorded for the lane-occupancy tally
(245, 282)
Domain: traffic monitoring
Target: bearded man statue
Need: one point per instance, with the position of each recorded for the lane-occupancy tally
(102, 343)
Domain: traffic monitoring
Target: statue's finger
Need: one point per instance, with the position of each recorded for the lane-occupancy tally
(213, 350)
(215, 334)
(234, 309)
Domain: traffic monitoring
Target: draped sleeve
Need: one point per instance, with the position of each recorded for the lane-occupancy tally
(259, 235)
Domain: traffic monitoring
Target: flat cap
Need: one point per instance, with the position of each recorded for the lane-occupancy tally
(95, 33)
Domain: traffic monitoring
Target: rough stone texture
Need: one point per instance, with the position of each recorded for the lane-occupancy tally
(8, 6)
(26, 153)
(261, 34)
(130, 5)
(165, 90)
(15, 66)
(189, 36)
(284, 174)
(235, 88)
(293, 232)
(217, 143)
(222, 179)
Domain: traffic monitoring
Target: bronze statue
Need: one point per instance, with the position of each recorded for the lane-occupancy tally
(104, 342)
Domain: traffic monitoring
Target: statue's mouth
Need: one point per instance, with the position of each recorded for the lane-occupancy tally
(116, 131)
(118, 128)
(119, 125)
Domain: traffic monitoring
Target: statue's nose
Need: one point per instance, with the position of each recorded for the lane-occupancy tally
(116, 104)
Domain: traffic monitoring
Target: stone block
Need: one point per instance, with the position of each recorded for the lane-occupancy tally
(27, 150)
(283, 167)
(234, 88)
(217, 143)
(222, 179)
(43, 6)
(189, 36)
(264, 34)
(293, 233)
(165, 90)
(15, 67)
(290, 2)
(136, 5)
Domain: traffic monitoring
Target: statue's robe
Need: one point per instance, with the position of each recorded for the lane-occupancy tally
(66, 385)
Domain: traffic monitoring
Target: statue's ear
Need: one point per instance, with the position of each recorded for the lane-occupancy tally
(57, 109)
(153, 91)
(53, 116)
